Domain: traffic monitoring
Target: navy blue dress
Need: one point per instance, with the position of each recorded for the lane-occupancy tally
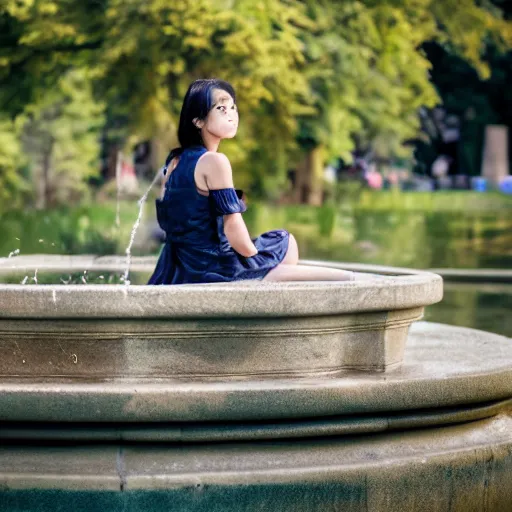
(196, 249)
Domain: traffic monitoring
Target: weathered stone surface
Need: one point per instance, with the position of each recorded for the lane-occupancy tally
(237, 330)
(191, 432)
(443, 366)
(267, 368)
(251, 299)
(208, 348)
(466, 468)
(62, 467)
(317, 460)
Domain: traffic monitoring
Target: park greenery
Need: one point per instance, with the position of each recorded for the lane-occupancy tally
(315, 80)
(416, 229)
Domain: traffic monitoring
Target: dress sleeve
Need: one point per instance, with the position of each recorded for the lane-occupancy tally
(226, 201)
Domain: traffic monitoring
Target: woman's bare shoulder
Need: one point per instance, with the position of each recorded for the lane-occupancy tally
(215, 159)
(216, 169)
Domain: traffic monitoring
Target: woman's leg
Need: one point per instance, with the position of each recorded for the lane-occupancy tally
(289, 270)
(292, 255)
(284, 272)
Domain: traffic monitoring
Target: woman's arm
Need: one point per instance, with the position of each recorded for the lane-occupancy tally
(216, 169)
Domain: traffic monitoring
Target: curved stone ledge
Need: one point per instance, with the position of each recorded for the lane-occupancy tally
(250, 431)
(460, 468)
(245, 299)
(230, 330)
(443, 367)
(475, 275)
(266, 371)
(207, 349)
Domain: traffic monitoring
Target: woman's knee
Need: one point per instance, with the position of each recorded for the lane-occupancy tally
(292, 254)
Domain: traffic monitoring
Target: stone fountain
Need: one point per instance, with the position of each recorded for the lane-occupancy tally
(249, 396)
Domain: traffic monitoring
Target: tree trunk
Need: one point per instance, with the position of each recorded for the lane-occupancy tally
(495, 160)
(110, 170)
(309, 178)
(43, 186)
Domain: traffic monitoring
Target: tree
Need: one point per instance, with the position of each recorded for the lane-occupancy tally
(60, 137)
(370, 75)
(13, 185)
(315, 79)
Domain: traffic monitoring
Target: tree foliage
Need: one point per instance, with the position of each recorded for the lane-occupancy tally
(342, 74)
(60, 136)
(12, 182)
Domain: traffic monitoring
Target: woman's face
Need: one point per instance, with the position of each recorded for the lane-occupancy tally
(222, 120)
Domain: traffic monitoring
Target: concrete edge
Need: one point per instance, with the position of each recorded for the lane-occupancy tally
(386, 455)
(250, 431)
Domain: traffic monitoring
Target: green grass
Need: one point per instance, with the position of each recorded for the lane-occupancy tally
(440, 201)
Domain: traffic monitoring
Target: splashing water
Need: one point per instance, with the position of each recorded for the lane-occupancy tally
(63, 281)
(141, 202)
(119, 163)
(14, 253)
(35, 277)
(25, 279)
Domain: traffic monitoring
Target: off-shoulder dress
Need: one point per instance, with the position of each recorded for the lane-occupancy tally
(196, 249)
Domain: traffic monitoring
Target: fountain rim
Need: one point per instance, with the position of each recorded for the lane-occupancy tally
(401, 289)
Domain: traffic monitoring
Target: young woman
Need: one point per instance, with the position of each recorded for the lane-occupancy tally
(201, 212)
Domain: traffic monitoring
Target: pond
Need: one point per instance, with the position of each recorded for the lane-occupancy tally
(411, 232)
(406, 237)
(481, 306)
(397, 238)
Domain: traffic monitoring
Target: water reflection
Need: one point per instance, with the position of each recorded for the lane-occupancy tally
(415, 239)
(481, 306)
(408, 239)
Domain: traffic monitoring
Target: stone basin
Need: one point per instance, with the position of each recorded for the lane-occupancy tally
(285, 397)
(237, 330)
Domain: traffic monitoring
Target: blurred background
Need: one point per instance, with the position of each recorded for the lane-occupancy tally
(377, 131)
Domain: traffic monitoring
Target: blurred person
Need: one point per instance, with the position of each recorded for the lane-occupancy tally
(201, 211)
(373, 178)
(439, 172)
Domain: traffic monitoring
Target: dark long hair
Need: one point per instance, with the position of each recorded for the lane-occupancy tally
(197, 103)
